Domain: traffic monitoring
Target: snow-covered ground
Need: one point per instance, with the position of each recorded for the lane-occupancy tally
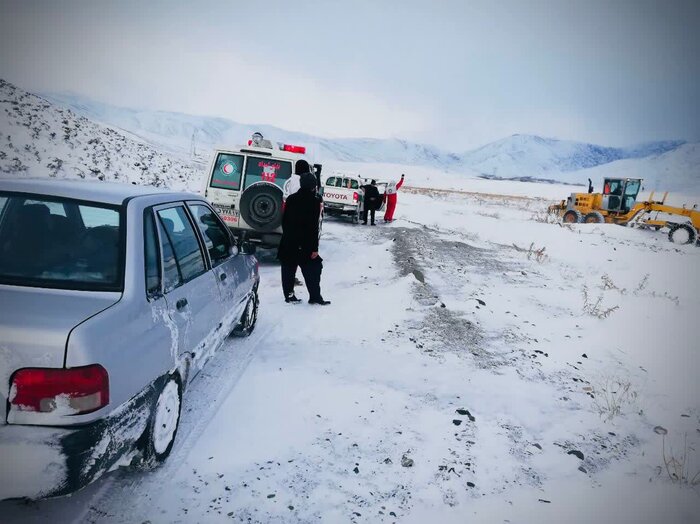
(453, 346)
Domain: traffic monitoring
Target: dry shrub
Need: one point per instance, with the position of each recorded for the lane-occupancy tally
(608, 283)
(594, 307)
(532, 252)
(545, 217)
(611, 394)
(489, 215)
(677, 465)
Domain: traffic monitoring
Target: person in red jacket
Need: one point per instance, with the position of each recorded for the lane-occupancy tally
(390, 199)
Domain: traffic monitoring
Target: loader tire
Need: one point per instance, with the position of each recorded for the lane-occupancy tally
(594, 217)
(683, 234)
(572, 216)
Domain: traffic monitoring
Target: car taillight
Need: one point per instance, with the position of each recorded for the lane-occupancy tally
(355, 196)
(293, 149)
(65, 391)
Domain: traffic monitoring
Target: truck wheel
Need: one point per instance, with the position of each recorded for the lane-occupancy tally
(683, 234)
(261, 206)
(594, 217)
(572, 216)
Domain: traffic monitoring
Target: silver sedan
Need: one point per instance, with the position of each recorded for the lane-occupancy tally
(112, 298)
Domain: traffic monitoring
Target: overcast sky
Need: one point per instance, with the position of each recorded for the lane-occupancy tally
(452, 73)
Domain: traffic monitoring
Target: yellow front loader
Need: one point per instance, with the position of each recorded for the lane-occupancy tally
(617, 204)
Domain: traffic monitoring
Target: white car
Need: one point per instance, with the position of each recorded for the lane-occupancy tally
(343, 195)
(112, 298)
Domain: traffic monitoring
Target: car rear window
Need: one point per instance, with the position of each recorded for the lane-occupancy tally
(262, 169)
(60, 243)
(227, 171)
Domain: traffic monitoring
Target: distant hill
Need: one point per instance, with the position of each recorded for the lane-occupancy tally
(668, 166)
(677, 170)
(41, 139)
(183, 133)
(532, 156)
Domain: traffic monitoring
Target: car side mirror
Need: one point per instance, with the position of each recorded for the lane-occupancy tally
(247, 248)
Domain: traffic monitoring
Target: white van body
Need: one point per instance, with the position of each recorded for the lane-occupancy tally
(248, 185)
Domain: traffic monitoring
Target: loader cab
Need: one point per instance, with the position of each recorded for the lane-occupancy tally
(620, 194)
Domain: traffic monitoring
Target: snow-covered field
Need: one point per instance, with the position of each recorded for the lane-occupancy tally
(448, 348)
(478, 363)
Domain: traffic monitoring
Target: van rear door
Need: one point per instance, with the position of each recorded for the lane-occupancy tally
(224, 186)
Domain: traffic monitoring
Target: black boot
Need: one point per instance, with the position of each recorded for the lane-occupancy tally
(292, 299)
(319, 301)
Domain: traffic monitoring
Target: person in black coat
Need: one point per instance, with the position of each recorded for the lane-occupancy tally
(373, 201)
(299, 244)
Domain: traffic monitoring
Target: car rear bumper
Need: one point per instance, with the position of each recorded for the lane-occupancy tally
(340, 210)
(32, 461)
(38, 461)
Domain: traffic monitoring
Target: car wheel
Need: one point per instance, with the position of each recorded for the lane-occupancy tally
(248, 319)
(162, 427)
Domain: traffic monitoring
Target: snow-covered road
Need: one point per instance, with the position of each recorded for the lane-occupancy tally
(453, 378)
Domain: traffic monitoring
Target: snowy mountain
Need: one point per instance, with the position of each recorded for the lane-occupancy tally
(525, 157)
(38, 138)
(534, 156)
(677, 170)
(529, 156)
(665, 166)
(670, 165)
(184, 133)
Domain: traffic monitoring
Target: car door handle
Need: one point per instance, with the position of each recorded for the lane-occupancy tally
(222, 276)
(181, 303)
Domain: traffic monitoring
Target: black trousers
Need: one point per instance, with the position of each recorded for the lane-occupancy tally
(364, 214)
(289, 273)
(311, 270)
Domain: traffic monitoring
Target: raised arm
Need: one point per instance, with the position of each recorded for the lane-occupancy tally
(400, 183)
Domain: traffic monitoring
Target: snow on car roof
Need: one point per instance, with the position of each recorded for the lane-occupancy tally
(105, 192)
